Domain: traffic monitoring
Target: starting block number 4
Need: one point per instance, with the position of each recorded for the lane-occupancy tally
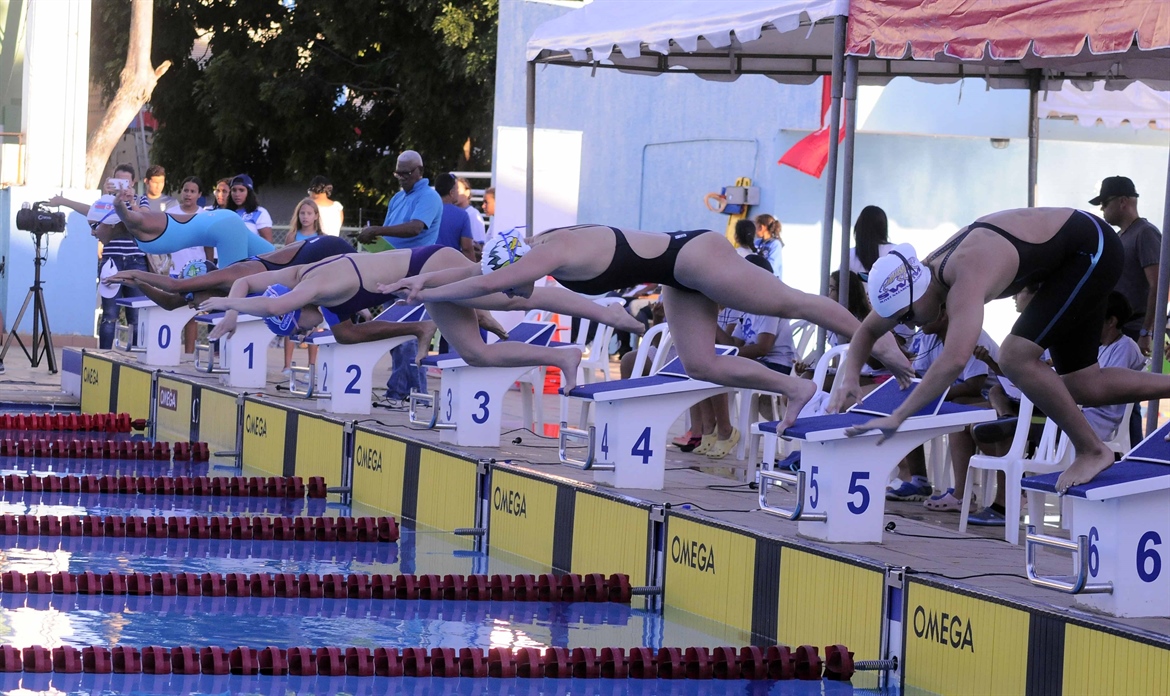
(641, 448)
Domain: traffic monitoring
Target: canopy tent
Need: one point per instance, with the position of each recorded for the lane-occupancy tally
(1032, 44)
(1137, 105)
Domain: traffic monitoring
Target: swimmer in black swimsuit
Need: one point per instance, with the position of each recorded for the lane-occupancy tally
(345, 284)
(1075, 257)
(172, 293)
(699, 271)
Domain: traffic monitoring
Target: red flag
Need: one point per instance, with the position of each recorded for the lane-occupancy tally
(811, 153)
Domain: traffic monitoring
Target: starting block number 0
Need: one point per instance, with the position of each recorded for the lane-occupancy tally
(855, 488)
(1149, 561)
(164, 336)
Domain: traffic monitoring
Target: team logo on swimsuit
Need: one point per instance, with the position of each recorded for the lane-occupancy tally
(194, 268)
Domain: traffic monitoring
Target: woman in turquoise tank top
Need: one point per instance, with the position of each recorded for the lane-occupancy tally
(164, 233)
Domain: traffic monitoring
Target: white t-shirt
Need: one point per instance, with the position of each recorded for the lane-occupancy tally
(927, 348)
(330, 218)
(256, 220)
(1123, 352)
(750, 326)
(478, 231)
(855, 263)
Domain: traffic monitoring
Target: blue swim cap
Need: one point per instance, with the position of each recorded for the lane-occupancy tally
(282, 324)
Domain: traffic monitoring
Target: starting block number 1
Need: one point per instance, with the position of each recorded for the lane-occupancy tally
(1149, 561)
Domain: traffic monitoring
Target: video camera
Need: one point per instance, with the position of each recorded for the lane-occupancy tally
(38, 219)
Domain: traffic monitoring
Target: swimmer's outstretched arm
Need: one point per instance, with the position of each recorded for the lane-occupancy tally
(238, 301)
(541, 261)
(408, 288)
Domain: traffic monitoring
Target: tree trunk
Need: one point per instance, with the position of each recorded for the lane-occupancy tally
(137, 82)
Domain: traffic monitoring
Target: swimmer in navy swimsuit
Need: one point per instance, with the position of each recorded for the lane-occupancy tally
(699, 270)
(344, 285)
(1075, 257)
(172, 293)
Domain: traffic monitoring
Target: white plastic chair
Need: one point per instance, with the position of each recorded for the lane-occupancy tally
(820, 373)
(1120, 442)
(642, 356)
(803, 333)
(1052, 455)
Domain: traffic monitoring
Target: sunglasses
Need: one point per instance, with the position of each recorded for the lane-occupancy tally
(1106, 201)
(405, 174)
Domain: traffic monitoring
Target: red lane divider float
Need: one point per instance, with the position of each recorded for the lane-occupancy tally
(239, 486)
(105, 449)
(98, 422)
(366, 529)
(777, 662)
(524, 588)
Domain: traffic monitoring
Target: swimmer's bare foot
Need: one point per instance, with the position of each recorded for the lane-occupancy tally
(801, 392)
(488, 323)
(621, 320)
(568, 359)
(1084, 469)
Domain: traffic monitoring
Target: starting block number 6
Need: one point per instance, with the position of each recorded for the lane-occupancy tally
(164, 336)
(1149, 561)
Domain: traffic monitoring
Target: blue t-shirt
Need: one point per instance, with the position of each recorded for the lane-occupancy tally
(423, 204)
(454, 226)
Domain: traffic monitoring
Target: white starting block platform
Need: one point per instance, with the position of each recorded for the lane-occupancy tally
(1120, 534)
(841, 484)
(343, 375)
(159, 340)
(468, 408)
(243, 355)
(626, 445)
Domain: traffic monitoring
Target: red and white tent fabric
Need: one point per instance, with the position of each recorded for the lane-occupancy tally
(1137, 106)
(1081, 39)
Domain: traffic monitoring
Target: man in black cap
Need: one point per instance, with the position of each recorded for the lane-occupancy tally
(1142, 242)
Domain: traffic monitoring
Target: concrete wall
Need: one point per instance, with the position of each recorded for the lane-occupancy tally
(653, 146)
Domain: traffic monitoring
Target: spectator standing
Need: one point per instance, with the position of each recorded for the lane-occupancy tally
(478, 230)
(331, 212)
(871, 239)
(192, 260)
(412, 219)
(745, 238)
(220, 194)
(1142, 243)
(242, 199)
(769, 244)
(489, 210)
(304, 225)
(155, 182)
(454, 227)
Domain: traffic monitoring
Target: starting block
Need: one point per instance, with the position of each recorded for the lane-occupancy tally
(160, 332)
(469, 406)
(1120, 534)
(841, 484)
(626, 445)
(243, 355)
(343, 375)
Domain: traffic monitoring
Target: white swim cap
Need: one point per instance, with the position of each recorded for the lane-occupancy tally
(504, 249)
(102, 211)
(896, 280)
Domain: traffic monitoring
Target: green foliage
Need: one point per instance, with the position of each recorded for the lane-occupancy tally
(294, 89)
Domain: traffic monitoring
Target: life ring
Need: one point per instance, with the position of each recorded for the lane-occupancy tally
(720, 202)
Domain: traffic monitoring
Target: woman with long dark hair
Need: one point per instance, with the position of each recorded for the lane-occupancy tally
(871, 235)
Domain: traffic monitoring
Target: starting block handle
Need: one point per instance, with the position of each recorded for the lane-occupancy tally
(417, 399)
(766, 479)
(589, 437)
(208, 365)
(1080, 549)
(124, 337)
(310, 391)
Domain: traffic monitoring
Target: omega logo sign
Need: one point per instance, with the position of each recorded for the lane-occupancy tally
(693, 555)
(168, 399)
(255, 425)
(368, 459)
(510, 502)
(90, 376)
(944, 629)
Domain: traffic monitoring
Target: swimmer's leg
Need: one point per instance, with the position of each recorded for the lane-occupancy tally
(461, 329)
(1020, 359)
(691, 317)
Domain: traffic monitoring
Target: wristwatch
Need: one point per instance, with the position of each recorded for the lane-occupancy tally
(1144, 332)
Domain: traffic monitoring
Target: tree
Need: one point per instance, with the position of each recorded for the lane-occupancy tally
(294, 89)
(135, 85)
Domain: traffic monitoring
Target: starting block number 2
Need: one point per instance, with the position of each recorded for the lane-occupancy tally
(1149, 561)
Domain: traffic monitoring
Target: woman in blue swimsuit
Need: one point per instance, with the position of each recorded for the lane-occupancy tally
(1075, 257)
(699, 271)
(337, 288)
(164, 233)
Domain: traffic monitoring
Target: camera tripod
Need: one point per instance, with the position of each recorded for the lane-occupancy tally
(42, 337)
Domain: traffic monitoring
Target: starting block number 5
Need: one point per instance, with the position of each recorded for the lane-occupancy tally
(1148, 560)
(856, 505)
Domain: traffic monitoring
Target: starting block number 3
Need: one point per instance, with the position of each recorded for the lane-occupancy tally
(1148, 560)
(481, 414)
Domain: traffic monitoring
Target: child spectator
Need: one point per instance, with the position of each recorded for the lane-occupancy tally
(745, 237)
(220, 194)
(768, 242)
(242, 199)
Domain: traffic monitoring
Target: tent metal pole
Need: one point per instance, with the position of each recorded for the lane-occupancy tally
(530, 159)
(1033, 134)
(850, 105)
(1158, 340)
(831, 182)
